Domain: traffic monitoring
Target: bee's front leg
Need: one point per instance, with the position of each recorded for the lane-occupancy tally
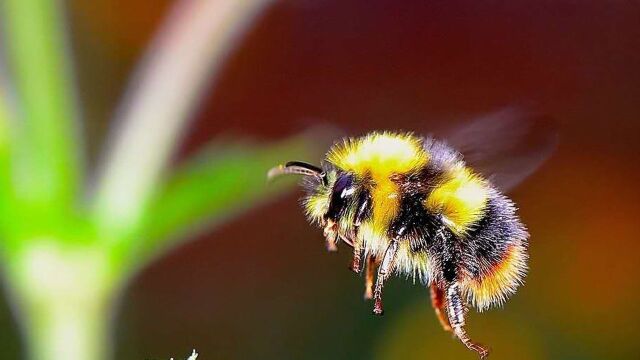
(357, 253)
(457, 310)
(363, 210)
(331, 235)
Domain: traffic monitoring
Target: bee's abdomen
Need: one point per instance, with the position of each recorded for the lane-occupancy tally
(495, 253)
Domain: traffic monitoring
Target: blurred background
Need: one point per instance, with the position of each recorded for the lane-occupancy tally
(263, 287)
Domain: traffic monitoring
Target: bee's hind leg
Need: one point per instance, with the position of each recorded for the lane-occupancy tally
(438, 303)
(457, 310)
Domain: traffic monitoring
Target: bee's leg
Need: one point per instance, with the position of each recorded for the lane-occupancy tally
(457, 310)
(383, 273)
(437, 301)
(363, 211)
(331, 244)
(331, 235)
(357, 253)
(372, 264)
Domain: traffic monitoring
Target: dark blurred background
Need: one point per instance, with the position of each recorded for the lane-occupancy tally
(263, 287)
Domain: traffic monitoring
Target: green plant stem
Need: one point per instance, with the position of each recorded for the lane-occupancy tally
(63, 300)
(58, 331)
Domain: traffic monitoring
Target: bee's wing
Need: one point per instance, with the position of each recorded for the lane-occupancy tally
(506, 146)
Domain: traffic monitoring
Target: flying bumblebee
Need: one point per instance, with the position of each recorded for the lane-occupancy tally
(433, 210)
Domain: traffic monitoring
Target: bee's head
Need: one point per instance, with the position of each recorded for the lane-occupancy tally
(330, 192)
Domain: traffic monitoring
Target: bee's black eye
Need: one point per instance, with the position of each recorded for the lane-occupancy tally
(343, 189)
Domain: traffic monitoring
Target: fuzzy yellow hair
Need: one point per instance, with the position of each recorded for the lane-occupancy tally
(379, 154)
(461, 199)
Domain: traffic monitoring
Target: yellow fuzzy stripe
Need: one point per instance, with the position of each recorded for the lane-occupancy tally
(379, 154)
(461, 199)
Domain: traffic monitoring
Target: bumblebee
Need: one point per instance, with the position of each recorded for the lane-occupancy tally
(432, 210)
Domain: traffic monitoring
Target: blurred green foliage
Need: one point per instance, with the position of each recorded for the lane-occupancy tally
(62, 269)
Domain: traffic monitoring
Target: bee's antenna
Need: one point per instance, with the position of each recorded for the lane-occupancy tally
(299, 168)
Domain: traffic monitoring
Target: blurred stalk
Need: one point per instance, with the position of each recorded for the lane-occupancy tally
(192, 45)
(60, 311)
(65, 300)
(48, 165)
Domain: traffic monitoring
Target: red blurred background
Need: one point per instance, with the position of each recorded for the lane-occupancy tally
(262, 286)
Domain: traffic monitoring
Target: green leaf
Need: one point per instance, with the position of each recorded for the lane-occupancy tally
(48, 171)
(218, 183)
(5, 175)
